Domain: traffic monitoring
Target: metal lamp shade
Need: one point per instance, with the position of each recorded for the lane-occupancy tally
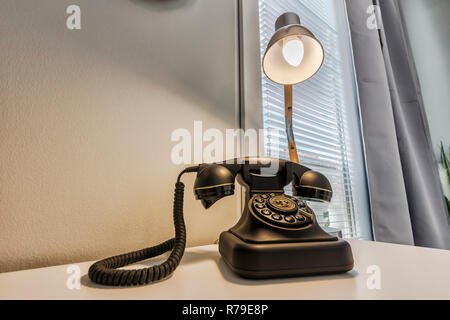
(278, 69)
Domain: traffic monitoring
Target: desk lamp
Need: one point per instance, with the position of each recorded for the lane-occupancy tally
(293, 55)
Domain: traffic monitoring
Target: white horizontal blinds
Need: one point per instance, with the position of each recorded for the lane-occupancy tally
(319, 113)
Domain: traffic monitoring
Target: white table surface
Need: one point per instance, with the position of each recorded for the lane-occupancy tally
(406, 273)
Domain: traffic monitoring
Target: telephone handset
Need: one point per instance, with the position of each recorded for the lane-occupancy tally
(276, 236)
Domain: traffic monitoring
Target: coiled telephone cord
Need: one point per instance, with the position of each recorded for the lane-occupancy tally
(105, 271)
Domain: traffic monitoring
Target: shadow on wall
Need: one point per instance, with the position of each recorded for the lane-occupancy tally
(88, 117)
(162, 42)
(163, 5)
(181, 51)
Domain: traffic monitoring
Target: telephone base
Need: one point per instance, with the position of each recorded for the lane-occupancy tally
(288, 259)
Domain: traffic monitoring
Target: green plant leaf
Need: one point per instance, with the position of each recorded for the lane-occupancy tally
(448, 205)
(445, 162)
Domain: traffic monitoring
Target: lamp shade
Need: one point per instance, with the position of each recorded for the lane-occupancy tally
(293, 53)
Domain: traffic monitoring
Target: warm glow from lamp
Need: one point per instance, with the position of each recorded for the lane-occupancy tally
(293, 55)
(293, 51)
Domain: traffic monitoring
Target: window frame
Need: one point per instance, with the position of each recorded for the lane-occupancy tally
(251, 98)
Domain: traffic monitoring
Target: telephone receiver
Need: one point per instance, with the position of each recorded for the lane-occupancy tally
(215, 181)
(276, 236)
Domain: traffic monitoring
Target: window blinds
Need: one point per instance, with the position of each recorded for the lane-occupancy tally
(320, 113)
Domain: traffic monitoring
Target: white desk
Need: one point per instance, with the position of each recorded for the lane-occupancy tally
(406, 273)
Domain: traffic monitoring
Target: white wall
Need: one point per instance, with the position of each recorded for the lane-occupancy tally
(86, 119)
(428, 28)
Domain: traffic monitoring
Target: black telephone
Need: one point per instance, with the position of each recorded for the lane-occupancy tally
(276, 236)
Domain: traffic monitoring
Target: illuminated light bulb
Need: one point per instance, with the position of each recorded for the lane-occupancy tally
(293, 51)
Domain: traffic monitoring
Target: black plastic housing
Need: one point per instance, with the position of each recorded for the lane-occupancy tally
(288, 259)
(283, 239)
(255, 249)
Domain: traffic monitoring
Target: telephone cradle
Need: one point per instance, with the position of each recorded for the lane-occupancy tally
(276, 236)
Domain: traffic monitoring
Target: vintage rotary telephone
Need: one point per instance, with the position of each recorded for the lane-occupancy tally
(276, 236)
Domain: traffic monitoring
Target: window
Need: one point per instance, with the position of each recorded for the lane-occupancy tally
(325, 117)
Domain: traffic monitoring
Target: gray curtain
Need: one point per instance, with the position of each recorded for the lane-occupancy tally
(406, 197)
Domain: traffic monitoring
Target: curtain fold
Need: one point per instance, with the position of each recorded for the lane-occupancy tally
(406, 197)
